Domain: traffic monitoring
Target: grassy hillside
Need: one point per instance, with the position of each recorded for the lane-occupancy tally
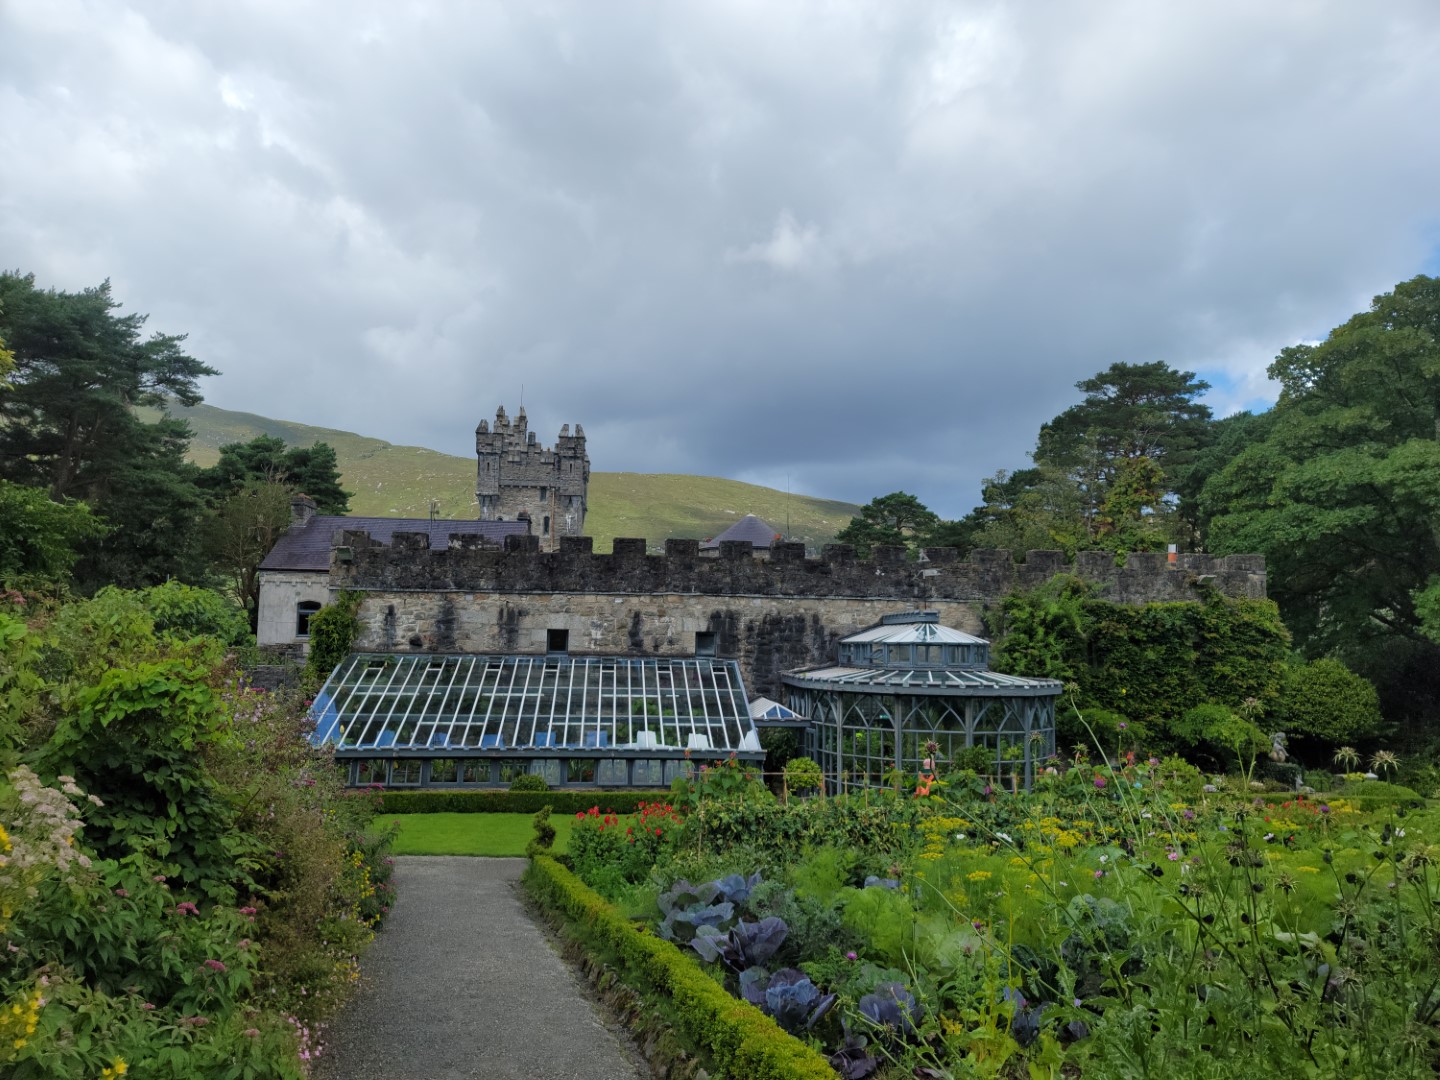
(400, 481)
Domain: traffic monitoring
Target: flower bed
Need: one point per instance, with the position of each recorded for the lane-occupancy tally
(184, 890)
(739, 1039)
(1119, 921)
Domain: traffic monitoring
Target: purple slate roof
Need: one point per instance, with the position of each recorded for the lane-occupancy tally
(309, 548)
(757, 530)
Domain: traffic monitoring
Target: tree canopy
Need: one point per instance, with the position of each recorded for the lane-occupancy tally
(68, 425)
(1342, 491)
(898, 519)
(265, 459)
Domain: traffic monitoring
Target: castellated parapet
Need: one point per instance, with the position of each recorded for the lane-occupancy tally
(516, 476)
(774, 615)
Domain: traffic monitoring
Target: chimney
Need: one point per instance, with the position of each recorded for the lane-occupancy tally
(302, 509)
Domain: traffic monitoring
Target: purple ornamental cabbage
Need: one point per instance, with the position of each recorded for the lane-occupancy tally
(795, 1002)
(746, 945)
(891, 1006)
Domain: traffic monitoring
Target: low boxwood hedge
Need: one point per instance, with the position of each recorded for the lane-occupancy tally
(741, 1039)
(431, 801)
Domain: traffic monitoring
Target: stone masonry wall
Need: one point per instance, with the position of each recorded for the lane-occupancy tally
(774, 615)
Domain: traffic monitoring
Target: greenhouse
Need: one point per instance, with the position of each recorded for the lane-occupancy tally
(415, 720)
(910, 691)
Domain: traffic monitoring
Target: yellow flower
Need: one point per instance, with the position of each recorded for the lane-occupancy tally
(978, 875)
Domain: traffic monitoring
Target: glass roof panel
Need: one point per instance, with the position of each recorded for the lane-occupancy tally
(491, 704)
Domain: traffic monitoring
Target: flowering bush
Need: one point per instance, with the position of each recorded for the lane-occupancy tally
(608, 850)
(202, 911)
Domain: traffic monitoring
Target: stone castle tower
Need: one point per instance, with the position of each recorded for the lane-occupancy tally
(516, 475)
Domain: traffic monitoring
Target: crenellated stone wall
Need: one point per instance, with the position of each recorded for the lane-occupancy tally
(774, 615)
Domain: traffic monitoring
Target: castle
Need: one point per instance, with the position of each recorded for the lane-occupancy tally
(518, 479)
(524, 579)
(492, 648)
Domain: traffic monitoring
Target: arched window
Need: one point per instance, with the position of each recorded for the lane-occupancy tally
(303, 611)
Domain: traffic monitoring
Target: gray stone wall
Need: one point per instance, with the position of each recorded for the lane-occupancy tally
(516, 475)
(774, 615)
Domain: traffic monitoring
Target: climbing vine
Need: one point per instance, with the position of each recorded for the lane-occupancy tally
(333, 630)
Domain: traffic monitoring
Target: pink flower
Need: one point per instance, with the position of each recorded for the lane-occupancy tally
(146, 1006)
(243, 943)
(215, 965)
(247, 911)
(185, 907)
(1174, 856)
(1099, 781)
(251, 1033)
(122, 892)
(1099, 874)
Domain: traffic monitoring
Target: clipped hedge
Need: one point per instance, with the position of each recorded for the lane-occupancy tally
(741, 1039)
(431, 801)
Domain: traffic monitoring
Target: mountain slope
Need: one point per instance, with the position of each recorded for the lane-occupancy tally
(400, 481)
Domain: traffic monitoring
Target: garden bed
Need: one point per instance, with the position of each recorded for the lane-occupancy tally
(740, 1040)
(1118, 921)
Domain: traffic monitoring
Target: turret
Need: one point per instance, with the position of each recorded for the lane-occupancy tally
(517, 474)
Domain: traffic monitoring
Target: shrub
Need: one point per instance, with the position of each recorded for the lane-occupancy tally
(741, 1039)
(544, 838)
(609, 852)
(803, 774)
(1324, 701)
(529, 782)
(333, 630)
(774, 830)
(183, 611)
(1377, 792)
(135, 740)
(1090, 726)
(977, 759)
(562, 801)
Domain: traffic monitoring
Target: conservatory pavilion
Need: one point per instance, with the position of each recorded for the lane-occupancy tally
(433, 720)
(910, 691)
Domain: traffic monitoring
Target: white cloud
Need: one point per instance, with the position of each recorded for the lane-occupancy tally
(790, 246)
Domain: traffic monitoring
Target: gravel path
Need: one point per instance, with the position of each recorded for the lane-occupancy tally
(461, 983)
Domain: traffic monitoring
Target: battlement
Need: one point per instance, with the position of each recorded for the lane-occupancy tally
(409, 564)
(516, 474)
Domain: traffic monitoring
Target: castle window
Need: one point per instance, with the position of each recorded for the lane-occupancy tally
(303, 611)
(557, 641)
(545, 528)
(705, 643)
(544, 492)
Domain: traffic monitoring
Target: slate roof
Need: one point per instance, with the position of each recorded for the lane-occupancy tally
(309, 548)
(757, 530)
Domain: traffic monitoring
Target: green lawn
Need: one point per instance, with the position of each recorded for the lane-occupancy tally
(471, 834)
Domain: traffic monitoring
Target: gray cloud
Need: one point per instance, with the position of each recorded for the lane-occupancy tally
(862, 247)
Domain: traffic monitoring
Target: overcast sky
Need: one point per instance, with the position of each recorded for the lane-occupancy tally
(859, 246)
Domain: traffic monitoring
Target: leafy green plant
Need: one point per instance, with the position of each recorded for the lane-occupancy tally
(333, 630)
(544, 838)
(802, 774)
(1325, 704)
(529, 782)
